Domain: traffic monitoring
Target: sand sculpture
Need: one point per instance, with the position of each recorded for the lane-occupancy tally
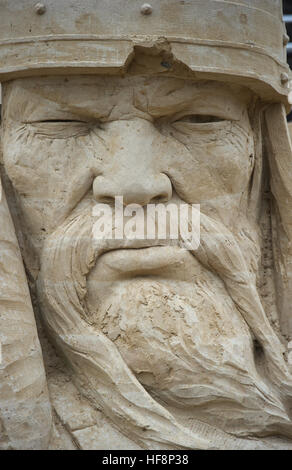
(136, 344)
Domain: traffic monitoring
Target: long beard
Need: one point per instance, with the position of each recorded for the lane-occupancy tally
(105, 378)
(191, 349)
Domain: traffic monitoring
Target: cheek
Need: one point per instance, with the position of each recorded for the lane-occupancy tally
(229, 164)
(50, 176)
(207, 168)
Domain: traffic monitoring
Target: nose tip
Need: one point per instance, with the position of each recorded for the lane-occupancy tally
(145, 190)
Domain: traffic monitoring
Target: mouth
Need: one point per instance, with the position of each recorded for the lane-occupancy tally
(151, 258)
(165, 261)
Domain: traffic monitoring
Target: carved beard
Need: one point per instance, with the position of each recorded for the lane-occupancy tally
(237, 394)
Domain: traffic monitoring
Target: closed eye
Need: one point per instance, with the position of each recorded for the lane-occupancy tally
(200, 119)
(55, 121)
(62, 128)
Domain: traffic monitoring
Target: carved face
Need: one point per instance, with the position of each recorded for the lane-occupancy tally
(143, 138)
(175, 318)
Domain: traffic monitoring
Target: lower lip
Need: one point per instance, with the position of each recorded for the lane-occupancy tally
(143, 259)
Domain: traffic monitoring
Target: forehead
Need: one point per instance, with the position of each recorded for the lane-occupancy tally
(99, 96)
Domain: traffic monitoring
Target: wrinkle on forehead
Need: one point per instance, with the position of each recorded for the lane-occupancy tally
(112, 98)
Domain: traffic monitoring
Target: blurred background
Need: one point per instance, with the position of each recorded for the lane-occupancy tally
(287, 12)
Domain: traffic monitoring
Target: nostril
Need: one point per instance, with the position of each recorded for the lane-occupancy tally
(160, 198)
(103, 190)
(105, 199)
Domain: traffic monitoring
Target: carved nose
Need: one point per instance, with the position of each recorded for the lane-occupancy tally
(144, 190)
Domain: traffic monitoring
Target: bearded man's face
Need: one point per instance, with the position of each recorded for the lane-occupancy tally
(182, 326)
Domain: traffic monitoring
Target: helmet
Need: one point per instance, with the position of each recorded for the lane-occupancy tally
(242, 41)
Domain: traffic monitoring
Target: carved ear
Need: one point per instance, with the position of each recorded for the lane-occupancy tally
(280, 165)
(25, 416)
